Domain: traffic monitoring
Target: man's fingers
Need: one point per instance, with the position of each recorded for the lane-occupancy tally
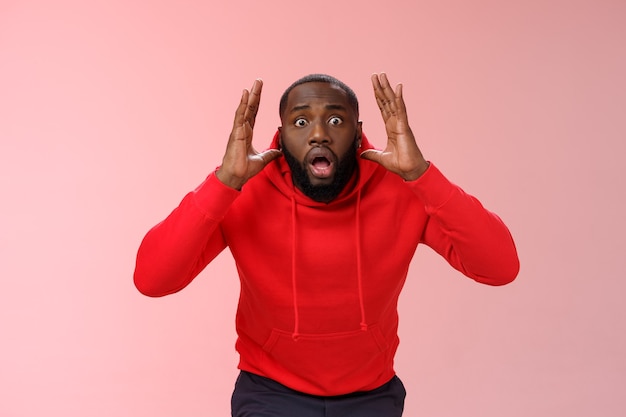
(390, 102)
(241, 110)
(254, 99)
(385, 96)
(245, 115)
(380, 97)
(400, 105)
(376, 84)
(378, 92)
(399, 90)
(388, 95)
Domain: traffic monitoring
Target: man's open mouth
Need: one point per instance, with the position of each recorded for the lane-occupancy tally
(321, 162)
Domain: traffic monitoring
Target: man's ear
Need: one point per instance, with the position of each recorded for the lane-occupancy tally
(280, 137)
(359, 133)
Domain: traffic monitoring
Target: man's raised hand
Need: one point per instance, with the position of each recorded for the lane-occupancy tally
(401, 155)
(241, 161)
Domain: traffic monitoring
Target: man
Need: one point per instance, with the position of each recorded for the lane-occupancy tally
(322, 238)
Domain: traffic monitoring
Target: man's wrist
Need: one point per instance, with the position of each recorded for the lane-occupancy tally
(417, 172)
(229, 180)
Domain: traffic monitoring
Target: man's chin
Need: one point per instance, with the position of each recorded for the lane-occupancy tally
(321, 181)
(321, 188)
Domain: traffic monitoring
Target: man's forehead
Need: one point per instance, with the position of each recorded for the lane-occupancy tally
(316, 92)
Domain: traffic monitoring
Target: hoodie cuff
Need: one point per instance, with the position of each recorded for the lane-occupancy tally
(432, 188)
(214, 198)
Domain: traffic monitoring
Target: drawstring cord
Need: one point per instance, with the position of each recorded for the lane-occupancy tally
(296, 326)
(359, 272)
(358, 260)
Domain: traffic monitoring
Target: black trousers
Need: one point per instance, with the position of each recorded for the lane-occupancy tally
(256, 396)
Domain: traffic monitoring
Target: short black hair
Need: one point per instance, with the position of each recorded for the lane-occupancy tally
(320, 78)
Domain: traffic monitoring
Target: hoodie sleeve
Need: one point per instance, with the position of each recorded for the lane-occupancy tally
(177, 249)
(472, 239)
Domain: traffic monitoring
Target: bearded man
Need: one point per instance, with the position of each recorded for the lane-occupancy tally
(322, 227)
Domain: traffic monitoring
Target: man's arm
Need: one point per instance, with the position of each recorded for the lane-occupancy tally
(176, 250)
(471, 238)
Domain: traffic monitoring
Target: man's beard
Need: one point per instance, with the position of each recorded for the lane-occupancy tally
(324, 193)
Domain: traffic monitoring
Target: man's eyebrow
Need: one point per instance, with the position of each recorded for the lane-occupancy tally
(327, 107)
(335, 107)
(298, 108)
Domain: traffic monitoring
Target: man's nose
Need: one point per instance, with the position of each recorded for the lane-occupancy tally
(319, 134)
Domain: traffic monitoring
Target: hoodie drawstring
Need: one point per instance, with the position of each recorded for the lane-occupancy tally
(358, 260)
(359, 271)
(296, 325)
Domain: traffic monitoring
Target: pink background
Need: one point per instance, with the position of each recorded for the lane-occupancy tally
(110, 111)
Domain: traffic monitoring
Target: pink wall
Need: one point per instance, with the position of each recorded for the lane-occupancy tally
(110, 111)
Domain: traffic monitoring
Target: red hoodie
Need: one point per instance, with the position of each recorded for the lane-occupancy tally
(320, 281)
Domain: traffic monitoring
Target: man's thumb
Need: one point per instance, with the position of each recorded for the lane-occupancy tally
(269, 155)
(371, 155)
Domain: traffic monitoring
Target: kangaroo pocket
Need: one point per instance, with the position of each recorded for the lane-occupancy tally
(350, 360)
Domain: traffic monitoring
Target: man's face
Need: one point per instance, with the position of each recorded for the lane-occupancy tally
(319, 136)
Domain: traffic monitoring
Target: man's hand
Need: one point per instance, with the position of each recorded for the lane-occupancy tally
(241, 161)
(401, 155)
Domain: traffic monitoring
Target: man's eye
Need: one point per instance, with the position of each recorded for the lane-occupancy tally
(335, 121)
(300, 122)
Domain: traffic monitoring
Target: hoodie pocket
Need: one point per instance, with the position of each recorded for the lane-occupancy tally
(330, 358)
